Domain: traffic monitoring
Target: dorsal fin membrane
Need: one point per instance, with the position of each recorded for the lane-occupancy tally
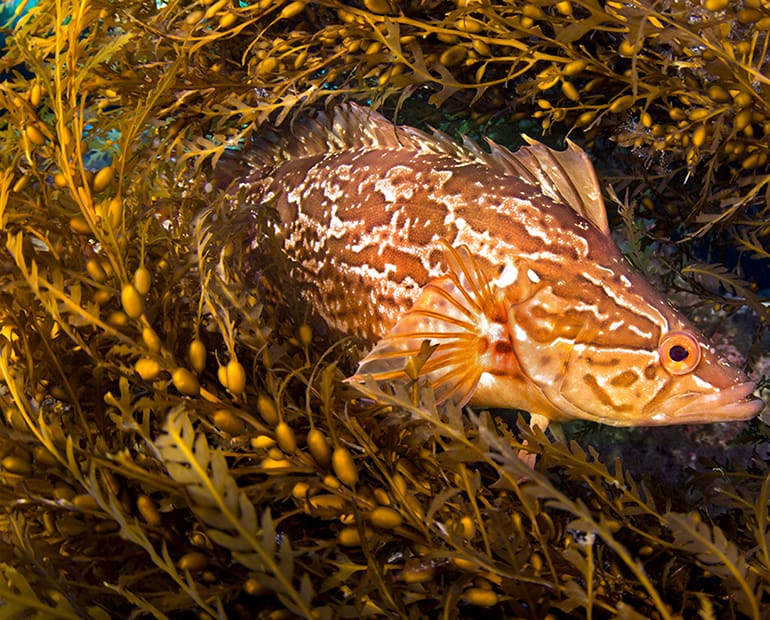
(567, 177)
(350, 127)
(571, 177)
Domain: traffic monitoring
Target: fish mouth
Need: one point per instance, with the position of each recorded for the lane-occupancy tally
(730, 404)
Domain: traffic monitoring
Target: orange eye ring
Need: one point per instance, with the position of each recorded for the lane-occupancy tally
(679, 353)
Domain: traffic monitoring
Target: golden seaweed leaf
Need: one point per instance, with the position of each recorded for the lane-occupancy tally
(47, 284)
(19, 600)
(706, 607)
(749, 240)
(137, 601)
(131, 530)
(718, 555)
(732, 283)
(497, 452)
(584, 523)
(226, 511)
(614, 487)
(626, 612)
(761, 508)
(633, 231)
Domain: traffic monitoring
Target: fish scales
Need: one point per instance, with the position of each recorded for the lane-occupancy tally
(503, 260)
(383, 237)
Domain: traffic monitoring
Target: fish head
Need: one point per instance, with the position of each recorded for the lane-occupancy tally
(629, 359)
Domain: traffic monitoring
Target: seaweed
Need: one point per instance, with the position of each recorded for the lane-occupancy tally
(177, 436)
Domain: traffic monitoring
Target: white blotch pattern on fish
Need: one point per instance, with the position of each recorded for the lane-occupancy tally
(504, 260)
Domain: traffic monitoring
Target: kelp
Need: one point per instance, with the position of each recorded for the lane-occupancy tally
(177, 436)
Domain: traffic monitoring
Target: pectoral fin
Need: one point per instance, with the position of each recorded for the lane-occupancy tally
(458, 313)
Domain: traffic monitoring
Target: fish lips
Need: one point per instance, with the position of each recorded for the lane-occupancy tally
(730, 404)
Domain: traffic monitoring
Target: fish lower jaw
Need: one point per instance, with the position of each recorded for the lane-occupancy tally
(731, 404)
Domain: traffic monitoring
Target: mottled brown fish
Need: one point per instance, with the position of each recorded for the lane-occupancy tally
(503, 260)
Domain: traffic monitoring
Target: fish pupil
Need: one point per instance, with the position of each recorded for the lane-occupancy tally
(678, 353)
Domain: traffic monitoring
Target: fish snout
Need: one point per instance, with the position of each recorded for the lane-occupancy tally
(730, 404)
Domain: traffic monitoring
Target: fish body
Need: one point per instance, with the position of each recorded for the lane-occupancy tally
(502, 261)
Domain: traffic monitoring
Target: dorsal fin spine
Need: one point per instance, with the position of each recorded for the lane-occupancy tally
(564, 176)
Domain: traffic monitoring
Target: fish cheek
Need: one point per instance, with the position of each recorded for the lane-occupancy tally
(544, 319)
(611, 385)
(542, 339)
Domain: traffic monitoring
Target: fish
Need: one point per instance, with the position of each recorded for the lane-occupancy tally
(495, 269)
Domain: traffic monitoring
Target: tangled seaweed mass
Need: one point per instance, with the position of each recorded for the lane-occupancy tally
(176, 433)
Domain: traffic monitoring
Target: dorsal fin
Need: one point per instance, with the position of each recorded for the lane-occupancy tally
(572, 178)
(350, 127)
(567, 177)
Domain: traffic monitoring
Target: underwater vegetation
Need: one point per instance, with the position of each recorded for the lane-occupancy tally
(176, 437)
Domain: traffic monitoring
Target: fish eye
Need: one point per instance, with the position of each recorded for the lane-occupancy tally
(679, 352)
